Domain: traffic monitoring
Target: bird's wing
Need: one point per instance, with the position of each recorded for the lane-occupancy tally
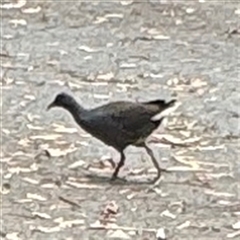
(122, 123)
(129, 117)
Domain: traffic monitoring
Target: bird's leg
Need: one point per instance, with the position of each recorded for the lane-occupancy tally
(155, 163)
(120, 164)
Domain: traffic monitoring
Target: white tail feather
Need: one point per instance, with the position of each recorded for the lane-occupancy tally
(166, 112)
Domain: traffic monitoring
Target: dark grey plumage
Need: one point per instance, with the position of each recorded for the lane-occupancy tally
(118, 124)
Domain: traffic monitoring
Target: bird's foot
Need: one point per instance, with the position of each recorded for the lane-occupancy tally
(116, 180)
(159, 174)
(163, 170)
(113, 178)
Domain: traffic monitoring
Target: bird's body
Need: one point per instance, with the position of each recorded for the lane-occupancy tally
(124, 123)
(117, 124)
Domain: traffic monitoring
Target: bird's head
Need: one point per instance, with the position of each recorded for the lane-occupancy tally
(61, 100)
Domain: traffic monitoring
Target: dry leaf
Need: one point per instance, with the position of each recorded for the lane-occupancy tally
(98, 84)
(131, 196)
(173, 81)
(29, 97)
(114, 15)
(218, 175)
(8, 37)
(83, 143)
(52, 62)
(71, 223)
(161, 234)
(137, 171)
(183, 225)
(5, 159)
(31, 117)
(159, 192)
(46, 137)
(8, 176)
(167, 213)
(106, 77)
(126, 3)
(101, 96)
(41, 215)
(58, 82)
(52, 44)
(187, 169)
(62, 129)
(123, 191)
(186, 134)
(113, 226)
(152, 75)
(88, 57)
(6, 131)
(83, 185)
(190, 10)
(37, 128)
(108, 214)
(74, 85)
(218, 194)
(56, 152)
(48, 229)
(62, 52)
(23, 200)
(5, 189)
(188, 160)
(77, 164)
(236, 225)
(19, 153)
(118, 234)
(18, 170)
(211, 148)
(32, 10)
(217, 165)
(35, 197)
(48, 185)
(17, 22)
(128, 65)
(224, 202)
(19, 4)
(100, 20)
(88, 49)
(198, 83)
(237, 11)
(169, 139)
(108, 45)
(30, 180)
(233, 234)
(161, 37)
(13, 236)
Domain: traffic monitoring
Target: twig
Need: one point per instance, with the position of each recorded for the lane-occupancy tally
(102, 227)
(69, 202)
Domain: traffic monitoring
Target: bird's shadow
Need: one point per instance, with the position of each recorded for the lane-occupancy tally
(149, 184)
(118, 181)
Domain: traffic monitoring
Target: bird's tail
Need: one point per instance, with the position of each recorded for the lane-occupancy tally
(162, 104)
(165, 108)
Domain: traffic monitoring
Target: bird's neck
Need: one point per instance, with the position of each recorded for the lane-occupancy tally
(76, 110)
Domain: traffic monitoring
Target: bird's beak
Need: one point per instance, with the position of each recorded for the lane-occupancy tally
(51, 105)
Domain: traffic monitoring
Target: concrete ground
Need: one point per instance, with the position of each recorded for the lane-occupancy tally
(107, 51)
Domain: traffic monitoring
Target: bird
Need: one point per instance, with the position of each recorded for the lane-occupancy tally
(118, 124)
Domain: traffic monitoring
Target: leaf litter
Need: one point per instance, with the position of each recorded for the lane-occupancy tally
(35, 196)
(49, 137)
(88, 49)
(13, 236)
(18, 4)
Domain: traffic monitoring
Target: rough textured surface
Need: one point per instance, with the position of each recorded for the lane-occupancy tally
(134, 51)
